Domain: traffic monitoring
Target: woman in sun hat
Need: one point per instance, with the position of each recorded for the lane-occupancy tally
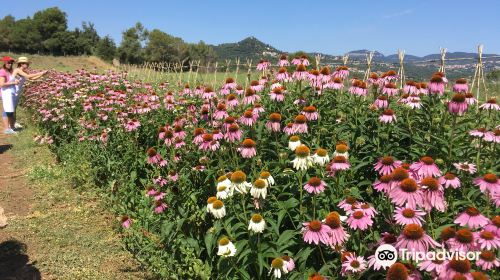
(8, 84)
(21, 76)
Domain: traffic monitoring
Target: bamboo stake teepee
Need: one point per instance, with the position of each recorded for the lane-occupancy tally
(442, 68)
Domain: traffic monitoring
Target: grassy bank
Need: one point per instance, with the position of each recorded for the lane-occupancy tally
(68, 232)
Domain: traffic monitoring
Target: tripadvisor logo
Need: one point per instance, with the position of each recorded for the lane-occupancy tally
(386, 255)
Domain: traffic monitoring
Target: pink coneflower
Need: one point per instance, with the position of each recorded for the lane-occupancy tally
(488, 260)
(239, 90)
(347, 204)
(341, 72)
(169, 137)
(407, 192)
(132, 124)
(365, 207)
(198, 135)
(289, 263)
(208, 93)
(435, 267)
(470, 99)
(296, 61)
(277, 94)
(479, 132)
(248, 118)
(337, 83)
(315, 232)
(263, 64)
(300, 73)
(466, 167)
(229, 83)
(274, 122)
(383, 184)
(217, 134)
(179, 132)
(300, 124)
(460, 86)
(406, 216)
(339, 163)
(315, 185)
(359, 220)
(338, 236)
(450, 180)
(423, 88)
(304, 60)
(488, 183)
(126, 222)
(463, 241)
(232, 100)
(387, 116)
(160, 206)
(353, 265)
(385, 165)
(414, 238)
(472, 218)
(220, 112)
(283, 61)
(456, 269)
(209, 143)
(492, 136)
(282, 75)
(390, 89)
(426, 167)
(457, 105)
(310, 112)
(257, 109)
(247, 149)
(389, 76)
(358, 87)
(288, 129)
(153, 156)
(433, 193)
(314, 78)
(436, 85)
(491, 104)
(397, 271)
(373, 79)
(494, 226)
(250, 97)
(410, 87)
(487, 240)
(381, 102)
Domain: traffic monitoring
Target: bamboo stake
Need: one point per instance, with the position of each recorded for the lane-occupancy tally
(197, 69)
(228, 63)
(401, 70)
(369, 58)
(317, 57)
(249, 65)
(237, 69)
(215, 75)
(443, 59)
(345, 58)
(191, 62)
(479, 73)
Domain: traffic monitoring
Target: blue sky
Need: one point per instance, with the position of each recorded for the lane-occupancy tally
(332, 27)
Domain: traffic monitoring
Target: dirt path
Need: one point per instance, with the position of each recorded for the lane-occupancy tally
(53, 231)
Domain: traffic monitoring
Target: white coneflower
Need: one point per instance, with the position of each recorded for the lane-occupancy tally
(257, 224)
(223, 192)
(321, 157)
(239, 183)
(278, 268)
(341, 149)
(223, 180)
(294, 142)
(303, 159)
(226, 248)
(265, 175)
(259, 189)
(210, 202)
(218, 209)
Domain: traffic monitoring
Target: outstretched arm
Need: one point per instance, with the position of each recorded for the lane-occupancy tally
(33, 76)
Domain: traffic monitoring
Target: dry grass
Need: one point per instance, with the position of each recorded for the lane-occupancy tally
(65, 63)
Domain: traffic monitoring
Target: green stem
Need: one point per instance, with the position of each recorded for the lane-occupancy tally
(452, 134)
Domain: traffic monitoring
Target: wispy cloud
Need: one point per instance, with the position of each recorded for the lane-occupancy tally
(399, 14)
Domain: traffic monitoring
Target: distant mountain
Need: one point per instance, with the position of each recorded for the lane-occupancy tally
(362, 54)
(248, 48)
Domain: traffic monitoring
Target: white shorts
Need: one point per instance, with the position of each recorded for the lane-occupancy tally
(8, 101)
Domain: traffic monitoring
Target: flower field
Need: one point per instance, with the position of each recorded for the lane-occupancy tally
(300, 173)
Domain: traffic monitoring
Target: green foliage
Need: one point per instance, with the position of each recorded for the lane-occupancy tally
(106, 48)
(130, 50)
(162, 47)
